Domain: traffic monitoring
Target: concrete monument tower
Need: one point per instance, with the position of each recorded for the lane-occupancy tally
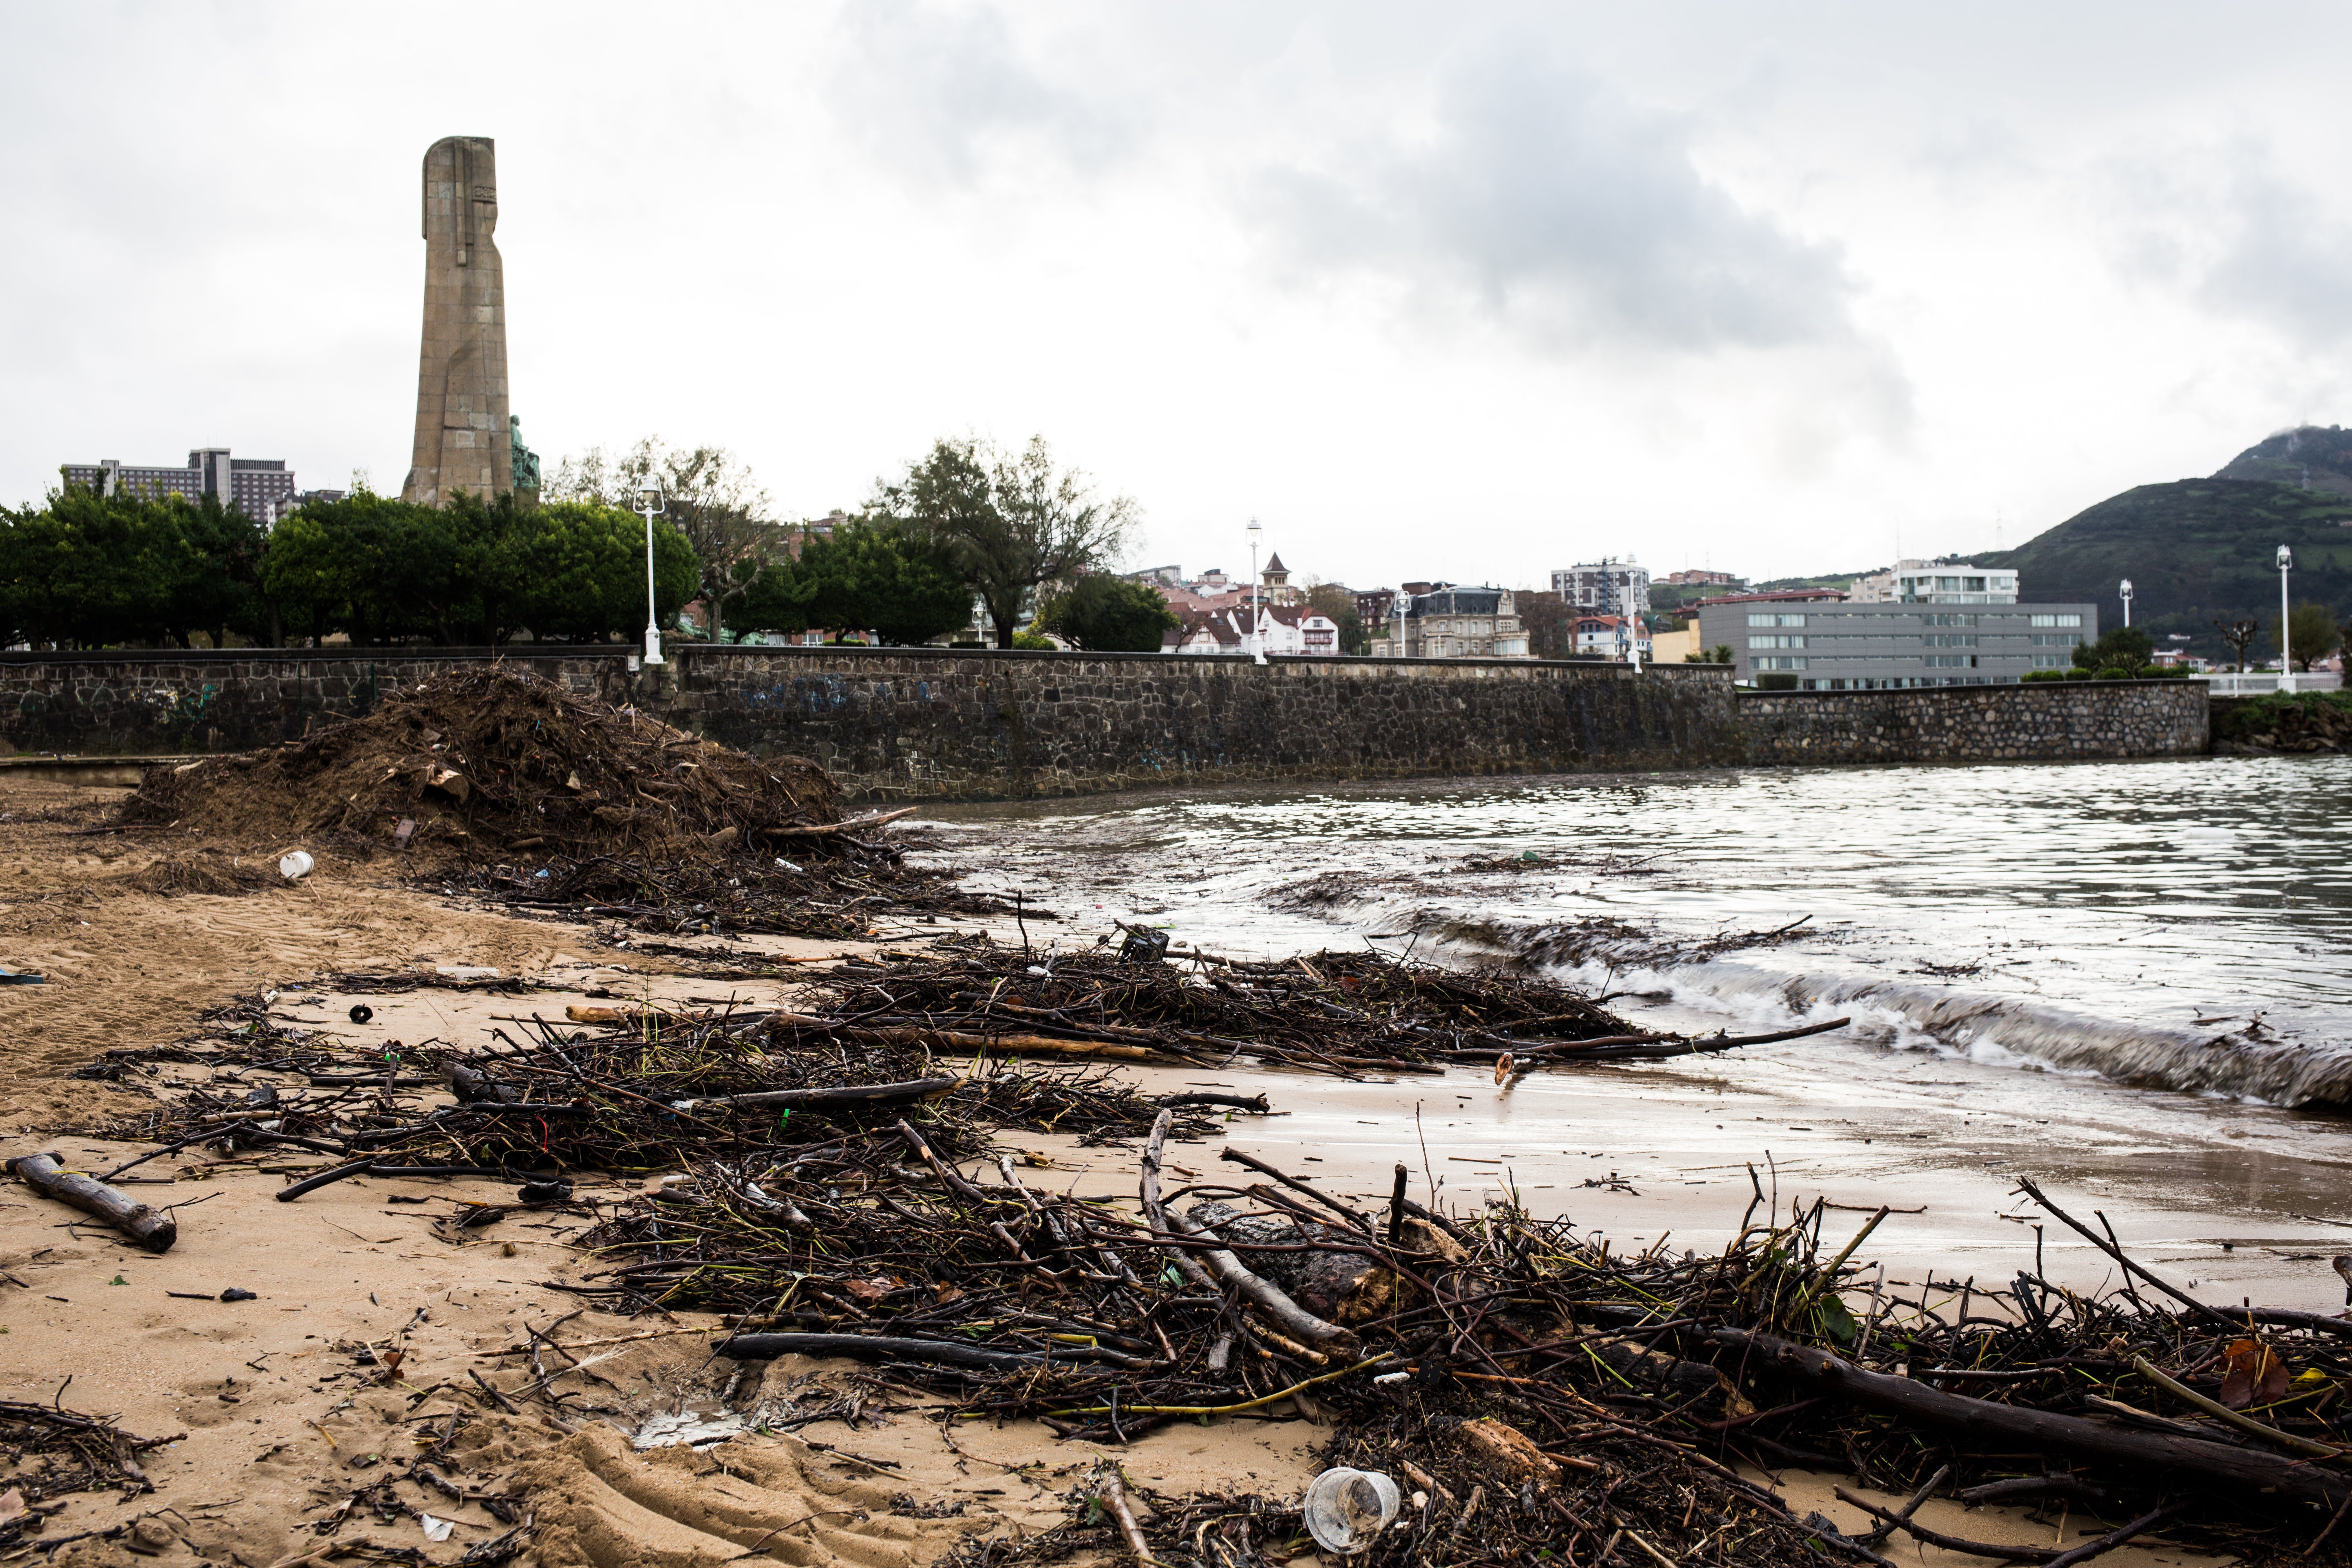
(464, 439)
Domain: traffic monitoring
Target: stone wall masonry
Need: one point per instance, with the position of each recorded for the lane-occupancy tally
(984, 724)
(2042, 721)
(161, 703)
(966, 724)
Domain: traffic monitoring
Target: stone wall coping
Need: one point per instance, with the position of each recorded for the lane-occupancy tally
(622, 651)
(1745, 692)
(317, 655)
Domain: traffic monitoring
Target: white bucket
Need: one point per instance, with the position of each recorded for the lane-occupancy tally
(296, 865)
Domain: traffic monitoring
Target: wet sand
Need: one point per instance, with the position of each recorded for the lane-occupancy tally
(1649, 1154)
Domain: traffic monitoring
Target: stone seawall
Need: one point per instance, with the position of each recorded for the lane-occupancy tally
(993, 725)
(952, 724)
(940, 724)
(2044, 721)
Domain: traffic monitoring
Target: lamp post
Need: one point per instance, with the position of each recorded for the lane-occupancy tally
(651, 504)
(1257, 626)
(2126, 593)
(2287, 654)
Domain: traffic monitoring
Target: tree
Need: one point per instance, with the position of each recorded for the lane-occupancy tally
(2119, 649)
(579, 568)
(1109, 614)
(2310, 634)
(2239, 634)
(1337, 603)
(1012, 523)
(902, 586)
(710, 496)
(1550, 621)
(1719, 654)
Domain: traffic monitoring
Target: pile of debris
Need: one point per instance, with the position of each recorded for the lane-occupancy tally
(839, 1190)
(484, 762)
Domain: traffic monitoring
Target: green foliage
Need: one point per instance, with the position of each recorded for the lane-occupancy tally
(2196, 550)
(576, 570)
(901, 585)
(1033, 642)
(1776, 681)
(1012, 523)
(2118, 648)
(1337, 603)
(2236, 719)
(91, 570)
(2311, 633)
(1109, 614)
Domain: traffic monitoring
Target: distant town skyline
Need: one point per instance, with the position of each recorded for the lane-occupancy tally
(1479, 291)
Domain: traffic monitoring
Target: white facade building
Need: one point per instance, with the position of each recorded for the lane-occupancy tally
(1936, 583)
(1616, 588)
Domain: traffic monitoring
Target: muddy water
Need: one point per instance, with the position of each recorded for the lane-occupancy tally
(2132, 981)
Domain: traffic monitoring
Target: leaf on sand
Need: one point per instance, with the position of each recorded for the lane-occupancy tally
(2252, 1373)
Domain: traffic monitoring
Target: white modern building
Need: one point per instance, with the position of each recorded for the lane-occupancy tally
(1613, 586)
(1937, 583)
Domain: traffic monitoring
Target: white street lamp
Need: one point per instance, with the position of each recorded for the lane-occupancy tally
(2126, 591)
(1257, 602)
(651, 504)
(2287, 654)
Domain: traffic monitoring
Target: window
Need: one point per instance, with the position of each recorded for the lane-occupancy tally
(1782, 662)
(2057, 620)
(1949, 661)
(2057, 639)
(2049, 661)
(1972, 585)
(1768, 619)
(1944, 620)
(1947, 583)
(1949, 639)
(1755, 642)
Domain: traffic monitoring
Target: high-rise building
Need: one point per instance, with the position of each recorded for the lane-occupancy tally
(1937, 583)
(261, 488)
(1612, 586)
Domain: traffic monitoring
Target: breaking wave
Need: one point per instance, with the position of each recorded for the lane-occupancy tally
(2252, 1064)
(1607, 956)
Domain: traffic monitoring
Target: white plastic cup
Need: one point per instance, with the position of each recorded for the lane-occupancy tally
(296, 866)
(1346, 1509)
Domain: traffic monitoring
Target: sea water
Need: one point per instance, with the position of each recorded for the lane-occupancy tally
(2183, 925)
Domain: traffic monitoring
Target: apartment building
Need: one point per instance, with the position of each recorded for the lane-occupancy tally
(1828, 644)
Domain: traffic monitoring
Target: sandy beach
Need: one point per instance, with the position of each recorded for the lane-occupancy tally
(279, 1406)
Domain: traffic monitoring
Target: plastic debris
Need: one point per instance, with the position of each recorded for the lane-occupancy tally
(435, 1530)
(296, 865)
(1345, 1509)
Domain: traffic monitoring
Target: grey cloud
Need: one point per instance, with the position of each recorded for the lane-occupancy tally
(1560, 208)
(2284, 262)
(937, 92)
(2225, 228)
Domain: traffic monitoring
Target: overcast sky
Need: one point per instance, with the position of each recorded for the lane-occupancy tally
(1465, 291)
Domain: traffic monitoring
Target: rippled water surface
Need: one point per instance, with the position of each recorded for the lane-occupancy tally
(2181, 924)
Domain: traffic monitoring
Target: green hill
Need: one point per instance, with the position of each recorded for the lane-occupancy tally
(2198, 551)
(2309, 458)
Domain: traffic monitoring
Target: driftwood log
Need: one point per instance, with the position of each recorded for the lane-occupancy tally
(1346, 1287)
(883, 1347)
(2041, 1431)
(853, 1094)
(151, 1228)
